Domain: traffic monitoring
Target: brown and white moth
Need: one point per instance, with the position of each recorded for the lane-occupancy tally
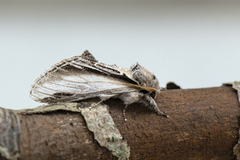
(83, 77)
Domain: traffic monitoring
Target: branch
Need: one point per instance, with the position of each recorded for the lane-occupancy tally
(203, 124)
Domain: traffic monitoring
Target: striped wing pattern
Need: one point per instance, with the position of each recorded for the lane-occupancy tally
(76, 79)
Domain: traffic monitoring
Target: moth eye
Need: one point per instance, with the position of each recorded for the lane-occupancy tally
(153, 94)
(154, 77)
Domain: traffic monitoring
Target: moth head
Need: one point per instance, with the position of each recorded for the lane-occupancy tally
(143, 77)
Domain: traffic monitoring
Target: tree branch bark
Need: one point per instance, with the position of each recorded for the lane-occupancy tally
(203, 124)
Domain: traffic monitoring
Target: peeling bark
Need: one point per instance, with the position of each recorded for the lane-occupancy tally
(203, 124)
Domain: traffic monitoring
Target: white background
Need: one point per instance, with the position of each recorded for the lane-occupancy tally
(193, 43)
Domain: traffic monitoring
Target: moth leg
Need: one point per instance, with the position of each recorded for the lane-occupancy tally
(151, 102)
(103, 98)
(129, 98)
(124, 113)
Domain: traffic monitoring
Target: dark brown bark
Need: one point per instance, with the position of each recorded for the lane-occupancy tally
(203, 124)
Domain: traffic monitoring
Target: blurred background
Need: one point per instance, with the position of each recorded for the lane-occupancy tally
(194, 43)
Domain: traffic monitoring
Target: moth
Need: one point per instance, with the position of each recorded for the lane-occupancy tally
(83, 77)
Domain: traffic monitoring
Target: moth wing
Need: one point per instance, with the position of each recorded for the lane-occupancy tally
(71, 83)
(87, 60)
(82, 77)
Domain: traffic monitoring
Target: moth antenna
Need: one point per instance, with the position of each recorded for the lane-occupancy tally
(124, 113)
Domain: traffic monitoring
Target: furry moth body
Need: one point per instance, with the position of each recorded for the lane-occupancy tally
(83, 77)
